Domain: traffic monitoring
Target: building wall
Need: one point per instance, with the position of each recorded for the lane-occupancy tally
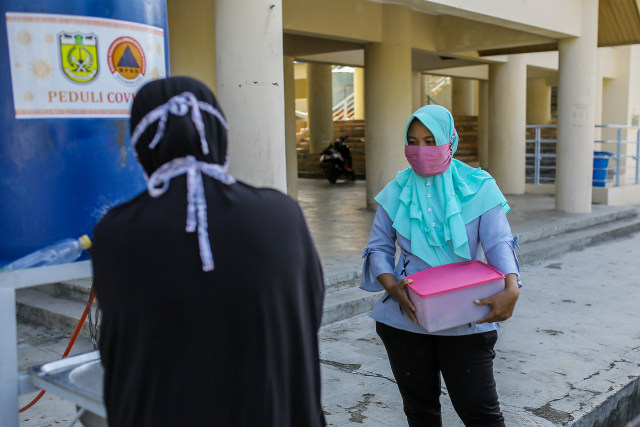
(192, 40)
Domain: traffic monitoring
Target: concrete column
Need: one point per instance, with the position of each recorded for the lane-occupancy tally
(320, 106)
(388, 99)
(538, 102)
(507, 119)
(418, 92)
(249, 65)
(358, 93)
(192, 40)
(290, 127)
(483, 124)
(576, 114)
(599, 112)
(462, 97)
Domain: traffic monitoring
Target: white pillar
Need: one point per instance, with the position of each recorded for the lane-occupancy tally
(418, 97)
(388, 99)
(462, 97)
(538, 102)
(358, 93)
(576, 114)
(507, 118)
(250, 86)
(483, 124)
(290, 127)
(320, 106)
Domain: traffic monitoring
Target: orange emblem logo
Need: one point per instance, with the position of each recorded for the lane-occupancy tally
(126, 60)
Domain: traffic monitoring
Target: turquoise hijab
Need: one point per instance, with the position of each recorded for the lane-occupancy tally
(431, 212)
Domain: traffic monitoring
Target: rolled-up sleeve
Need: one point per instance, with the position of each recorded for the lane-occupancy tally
(379, 255)
(498, 243)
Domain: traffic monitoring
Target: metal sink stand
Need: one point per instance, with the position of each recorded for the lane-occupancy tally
(13, 384)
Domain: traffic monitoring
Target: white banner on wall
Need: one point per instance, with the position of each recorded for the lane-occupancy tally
(68, 66)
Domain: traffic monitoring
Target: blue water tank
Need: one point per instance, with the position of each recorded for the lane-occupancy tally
(65, 156)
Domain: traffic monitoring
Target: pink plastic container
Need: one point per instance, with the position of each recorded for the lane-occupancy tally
(443, 296)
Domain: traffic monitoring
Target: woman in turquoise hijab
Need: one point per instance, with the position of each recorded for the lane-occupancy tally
(439, 211)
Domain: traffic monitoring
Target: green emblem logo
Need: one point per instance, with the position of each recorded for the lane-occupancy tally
(79, 56)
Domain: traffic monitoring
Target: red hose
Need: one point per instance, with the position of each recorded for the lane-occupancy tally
(69, 346)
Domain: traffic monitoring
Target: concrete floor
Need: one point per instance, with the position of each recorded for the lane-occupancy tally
(571, 349)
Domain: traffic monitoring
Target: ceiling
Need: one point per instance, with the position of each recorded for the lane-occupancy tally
(618, 22)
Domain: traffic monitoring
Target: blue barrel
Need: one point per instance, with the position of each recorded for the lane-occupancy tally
(60, 174)
(600, 168)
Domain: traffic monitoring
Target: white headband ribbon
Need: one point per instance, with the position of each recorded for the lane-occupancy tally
(158, 184)
(178, 106)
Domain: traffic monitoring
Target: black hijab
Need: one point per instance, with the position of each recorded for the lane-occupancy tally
(234, 346)
(180, 136)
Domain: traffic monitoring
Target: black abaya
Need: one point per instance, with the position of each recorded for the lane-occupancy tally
(236, 346)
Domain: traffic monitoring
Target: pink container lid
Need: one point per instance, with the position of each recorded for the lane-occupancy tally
(451, 277)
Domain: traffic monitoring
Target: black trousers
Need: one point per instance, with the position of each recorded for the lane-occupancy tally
(466, 364)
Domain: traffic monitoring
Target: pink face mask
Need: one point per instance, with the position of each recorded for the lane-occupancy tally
(428, 160)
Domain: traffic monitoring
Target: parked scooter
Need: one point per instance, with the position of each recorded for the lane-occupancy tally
(335, 161)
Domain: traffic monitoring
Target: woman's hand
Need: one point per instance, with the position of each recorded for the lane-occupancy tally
(397, 290)
(502, 303)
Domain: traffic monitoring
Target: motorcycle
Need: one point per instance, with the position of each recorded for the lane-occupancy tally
(335, 161)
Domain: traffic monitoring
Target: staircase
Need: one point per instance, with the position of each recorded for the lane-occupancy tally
(353, 130)
(57, 306)
(434, 85)
(345, 109)
(467, 128)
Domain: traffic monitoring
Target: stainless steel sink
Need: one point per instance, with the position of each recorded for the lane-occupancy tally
(88, 377)
(76, 378)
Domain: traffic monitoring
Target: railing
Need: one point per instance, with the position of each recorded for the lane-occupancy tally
(542, 168)
(544, 161)
(620, 167)
(442, 81)
(434, 88)
(344, 110)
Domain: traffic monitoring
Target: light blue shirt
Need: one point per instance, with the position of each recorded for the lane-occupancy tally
(489, 234)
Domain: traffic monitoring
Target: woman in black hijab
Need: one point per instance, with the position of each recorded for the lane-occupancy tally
(211, 289)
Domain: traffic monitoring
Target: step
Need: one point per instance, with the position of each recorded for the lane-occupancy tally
(347, 303)
(62, 304)
(74, 290)
(556, 225)
(340, 282)
(34, 306)
(573, 240)
(344, 299)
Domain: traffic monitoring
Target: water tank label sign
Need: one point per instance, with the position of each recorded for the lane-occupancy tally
(67, 66)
